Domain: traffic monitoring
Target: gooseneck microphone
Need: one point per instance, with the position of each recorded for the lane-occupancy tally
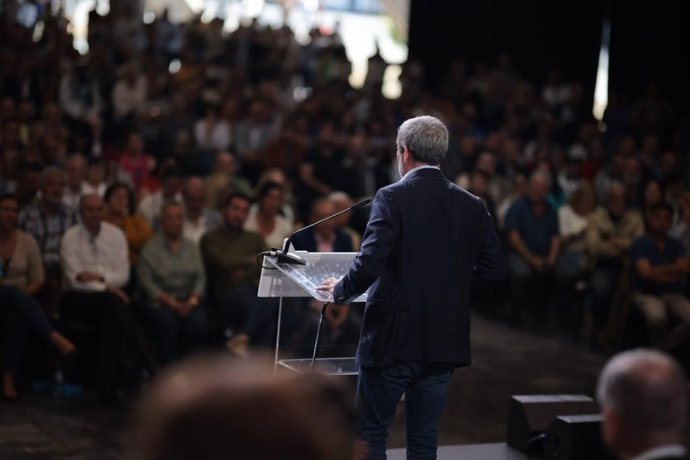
(286, 257)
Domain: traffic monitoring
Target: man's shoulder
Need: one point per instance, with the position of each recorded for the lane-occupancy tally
(72, 231)
(113, 232)
(211, 236)
(26, 239)
(642, 242)
(520, 205)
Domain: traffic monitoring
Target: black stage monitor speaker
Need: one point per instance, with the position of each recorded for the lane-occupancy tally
(530, 415)
(575, 437)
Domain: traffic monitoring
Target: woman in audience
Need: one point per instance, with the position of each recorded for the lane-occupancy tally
(265, 219)
(278, 176)
(573, 218)
(95, 181)
(21, 276)
(120, 211)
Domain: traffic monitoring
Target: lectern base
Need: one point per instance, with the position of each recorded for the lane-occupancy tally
(330, 366)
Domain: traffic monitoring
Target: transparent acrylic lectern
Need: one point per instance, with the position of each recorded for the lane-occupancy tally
(293, 280)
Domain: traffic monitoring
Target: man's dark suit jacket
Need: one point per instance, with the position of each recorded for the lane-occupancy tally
(425, 240)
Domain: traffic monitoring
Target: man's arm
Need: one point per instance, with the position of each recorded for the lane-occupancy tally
(671, 273)
(200, 281)
(380, 238)
(117, 272)
(554, 249)
(490, 264)
(78, 277)
(36, 273)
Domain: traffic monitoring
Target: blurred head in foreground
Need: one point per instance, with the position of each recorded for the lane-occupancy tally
(643, 397)
(215, 407)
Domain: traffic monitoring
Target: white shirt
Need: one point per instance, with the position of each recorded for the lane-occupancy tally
(150, 206)
(281, 230)
(129, 100)
(209, 220)
(71, 198)
(219, 138)
(88, 189)
(570, 222)
(105, 254)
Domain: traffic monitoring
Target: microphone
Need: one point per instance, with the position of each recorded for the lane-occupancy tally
(285, 257)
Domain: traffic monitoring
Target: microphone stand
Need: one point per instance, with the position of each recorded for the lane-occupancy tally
(284, 256)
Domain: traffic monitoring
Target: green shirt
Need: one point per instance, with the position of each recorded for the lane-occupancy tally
(230, 259)
(178, 273)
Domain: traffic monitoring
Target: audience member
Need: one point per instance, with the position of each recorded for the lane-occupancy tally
(95, 180)
(660, 264)
(96, 268)
(224, 180)
(199, 220)
(533, 236)
(21, 276)
(28, 183)
(652, 196)
(119, 202)
(573, 219)
(46, 221)
(278, 176)
(75, 173)
(681, 229)
(212, 132)
(134, 166)
(611, 230)
(230, 257)
(172, 279)
(643, 397)
(265, 219)
(150, 205)
(341, 201)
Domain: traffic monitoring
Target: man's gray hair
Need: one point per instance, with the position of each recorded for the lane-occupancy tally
(426, 138)
(647, 389)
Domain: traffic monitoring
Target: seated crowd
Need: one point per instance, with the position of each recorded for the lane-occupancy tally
(135, 200)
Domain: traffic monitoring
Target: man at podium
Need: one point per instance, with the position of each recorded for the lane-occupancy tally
(425, 240)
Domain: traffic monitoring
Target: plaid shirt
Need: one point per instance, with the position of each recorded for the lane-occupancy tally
(46, 229)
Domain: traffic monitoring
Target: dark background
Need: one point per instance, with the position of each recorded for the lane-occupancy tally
(650, 41)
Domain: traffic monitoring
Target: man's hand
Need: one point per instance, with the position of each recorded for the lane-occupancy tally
(538, 263)
(87, 277)
(328, 284)
(187, 306)
(118, 292)
(551, 260)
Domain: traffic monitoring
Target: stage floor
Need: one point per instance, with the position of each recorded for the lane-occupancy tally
(506, 361)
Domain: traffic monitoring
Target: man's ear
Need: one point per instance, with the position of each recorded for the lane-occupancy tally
(405, 153)
(611, 426)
